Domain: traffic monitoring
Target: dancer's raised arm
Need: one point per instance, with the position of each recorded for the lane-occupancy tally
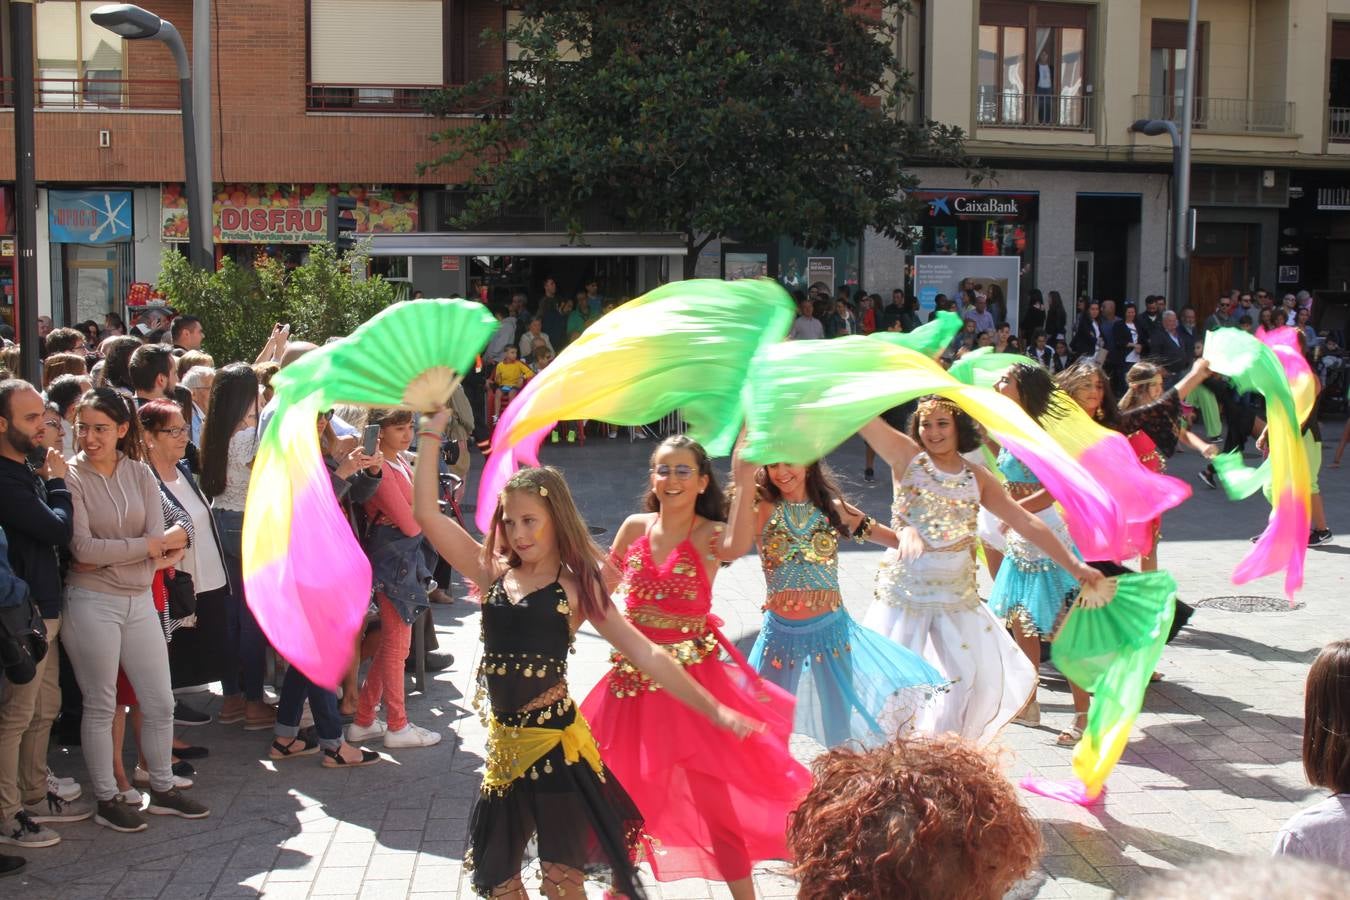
(452, 542)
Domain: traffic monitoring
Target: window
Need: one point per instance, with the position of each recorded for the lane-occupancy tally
(1167, 67)
(377, 55)
(1042, 85)
(567, 51)
(78, 63)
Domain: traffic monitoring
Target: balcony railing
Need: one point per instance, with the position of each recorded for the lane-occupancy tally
(1005, 109)
(1338, 124)
(1221, 114)
(97, 93)
(368, 98)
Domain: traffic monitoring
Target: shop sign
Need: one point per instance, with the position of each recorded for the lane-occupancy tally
(88, 217)
(286, 213)
(6, 246)
(449, 263)
(958, 203)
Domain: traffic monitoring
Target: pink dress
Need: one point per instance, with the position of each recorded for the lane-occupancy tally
(713, 804)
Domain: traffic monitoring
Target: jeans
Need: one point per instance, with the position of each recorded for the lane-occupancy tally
(26, 715)
(323, 705)
(244, 641)
(101, 631)
(384, 678)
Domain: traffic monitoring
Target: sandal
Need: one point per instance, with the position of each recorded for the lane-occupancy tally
(1071, 735)
(1155, 677)
(308, 746)
(333, 759)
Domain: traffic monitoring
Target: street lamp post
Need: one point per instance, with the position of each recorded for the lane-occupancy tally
(134, 23)
(25, 192)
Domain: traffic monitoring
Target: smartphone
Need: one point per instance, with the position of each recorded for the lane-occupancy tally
(370, 440)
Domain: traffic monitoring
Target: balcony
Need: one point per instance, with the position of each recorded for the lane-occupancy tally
(1222, 115)
(368, 98)
(97, 93)
(1338, 124)
(1006, 109)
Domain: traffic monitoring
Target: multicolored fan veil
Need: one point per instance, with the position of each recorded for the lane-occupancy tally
(807, 397)
(306, 579)
(1281, 375)
(1143, 495)
(1110, 651)
(687, 345)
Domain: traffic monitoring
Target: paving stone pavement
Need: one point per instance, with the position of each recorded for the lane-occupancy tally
(1213, 768)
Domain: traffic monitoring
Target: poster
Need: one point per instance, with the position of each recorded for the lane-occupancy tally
(1000, 277)
(820, 270)
(88, 217)
(745, 265)
(286, 213)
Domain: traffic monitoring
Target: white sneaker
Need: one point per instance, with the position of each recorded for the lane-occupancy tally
(141, 778)
(356, 734)
(66, 788)
(21, 831)
(410, 736)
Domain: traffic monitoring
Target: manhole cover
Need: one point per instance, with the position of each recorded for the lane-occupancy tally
(1247, 603)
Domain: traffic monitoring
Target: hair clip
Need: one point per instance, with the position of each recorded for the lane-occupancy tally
(543, 491)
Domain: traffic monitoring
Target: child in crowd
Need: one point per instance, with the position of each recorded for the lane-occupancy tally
(508, 377)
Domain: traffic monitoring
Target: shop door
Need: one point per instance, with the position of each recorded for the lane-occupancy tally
(92, 290)
(1210, 277)
(1084, 262)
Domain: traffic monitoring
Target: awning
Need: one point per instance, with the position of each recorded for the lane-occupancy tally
(456, 243)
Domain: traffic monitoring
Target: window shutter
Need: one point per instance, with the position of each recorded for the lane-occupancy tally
(376, 42)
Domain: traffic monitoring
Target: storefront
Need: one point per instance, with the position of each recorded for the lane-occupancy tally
(983, 223)
(280, 221)
(795, 267)
(90, 237)
(7, 293)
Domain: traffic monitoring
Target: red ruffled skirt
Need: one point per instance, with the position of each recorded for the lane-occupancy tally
(713, 804)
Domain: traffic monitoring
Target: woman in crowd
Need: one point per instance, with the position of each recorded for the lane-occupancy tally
(355, 477)
(714, 805)
(545, 782)
(58, 364)
(1321, 833)
(401, 566)
(109, 615)
(925, 597)
(116, 353)
(229, 443)
(850, 683)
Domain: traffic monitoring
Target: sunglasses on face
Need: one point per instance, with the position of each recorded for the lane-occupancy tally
(682, 472)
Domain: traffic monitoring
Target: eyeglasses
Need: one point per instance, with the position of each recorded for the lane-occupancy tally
(177, 432)
(682, 472)
(100, 430)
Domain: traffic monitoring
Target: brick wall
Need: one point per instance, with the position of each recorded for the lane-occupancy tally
(261, 131)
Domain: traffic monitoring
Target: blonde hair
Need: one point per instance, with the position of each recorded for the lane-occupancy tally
(578, 553)
(1140, 376)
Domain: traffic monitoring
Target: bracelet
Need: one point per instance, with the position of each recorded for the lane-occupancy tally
(864, 530)
(435, 436)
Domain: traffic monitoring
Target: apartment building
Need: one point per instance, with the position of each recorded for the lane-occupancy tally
(309, 98)
(1047, 91)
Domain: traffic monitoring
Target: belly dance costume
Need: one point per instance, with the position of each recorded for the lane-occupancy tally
(544, 780)
(851, 683)
(1032, 592)
(930, 605)
(713, 804)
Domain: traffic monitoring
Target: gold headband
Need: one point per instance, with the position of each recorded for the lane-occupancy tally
(937, 404)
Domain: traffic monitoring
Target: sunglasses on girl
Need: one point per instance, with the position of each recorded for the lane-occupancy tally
(682, 472)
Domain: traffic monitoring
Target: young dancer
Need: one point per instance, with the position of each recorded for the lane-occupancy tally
(712, 804)
(926, 598)
(1032, 592)
(851, 683)
(545, 781)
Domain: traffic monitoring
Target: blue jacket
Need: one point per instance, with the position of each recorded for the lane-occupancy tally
(400, 568)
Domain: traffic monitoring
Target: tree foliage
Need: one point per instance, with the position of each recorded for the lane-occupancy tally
(747, 119)
(238, 305)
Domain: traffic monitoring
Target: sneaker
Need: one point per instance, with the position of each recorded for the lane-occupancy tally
(1209, 477)
(53, 809)
(187, 716)
(184, 769)
(65, 788)
(11, 865)
(130, 797)
(410, 736)
(553, 437)
(613, 433)
(571, 437)
(119, 817)
(869, 475)
(21, 831)
(639, 434)
(1319, 536)
(174, 803)
(357, 734)
(141, 778)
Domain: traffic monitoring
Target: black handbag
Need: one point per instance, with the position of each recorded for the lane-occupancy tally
(23, 641)
(182, 594)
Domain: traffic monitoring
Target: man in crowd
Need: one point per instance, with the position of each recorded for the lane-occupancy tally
(1151, 320)
(893, 311)
(980, 314)
(1222, 317)
(806, 327)
(187, 333)
(44, 329)
(63, 340)
(503, 337)
(1172, 346)
(38, 519)
(153, 373)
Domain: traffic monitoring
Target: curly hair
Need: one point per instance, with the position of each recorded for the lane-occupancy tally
(969, 435)
(915, 818)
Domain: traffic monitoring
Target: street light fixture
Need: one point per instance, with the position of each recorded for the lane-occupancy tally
(134, 23)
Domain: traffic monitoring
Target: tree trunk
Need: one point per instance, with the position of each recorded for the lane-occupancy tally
(691, 253)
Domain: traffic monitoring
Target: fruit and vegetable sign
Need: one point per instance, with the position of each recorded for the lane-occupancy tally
(286, 213)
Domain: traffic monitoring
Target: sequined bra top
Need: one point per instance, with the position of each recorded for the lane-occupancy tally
(1021, 481)
(799, 549)
(667, 602)
(942, 506)
(525, 646)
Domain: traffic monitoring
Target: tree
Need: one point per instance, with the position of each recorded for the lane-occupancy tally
(746, 119)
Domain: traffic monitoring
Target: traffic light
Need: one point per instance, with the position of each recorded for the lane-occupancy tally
(341, 222)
